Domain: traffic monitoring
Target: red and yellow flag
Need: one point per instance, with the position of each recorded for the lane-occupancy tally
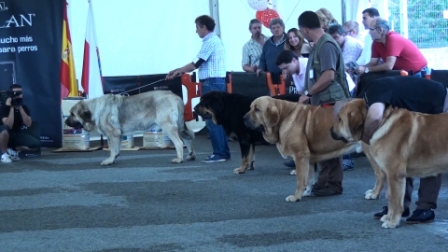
(69, 87)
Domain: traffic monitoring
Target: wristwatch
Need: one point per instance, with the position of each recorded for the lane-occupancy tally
(366, 70)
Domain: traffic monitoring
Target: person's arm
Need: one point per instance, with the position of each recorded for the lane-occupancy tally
(373, 121)
(181, 70)
(325, 79)
(262, 65)
(24, 112)
(8, 118)
(328, 57)
(374, 67)
(247, 60)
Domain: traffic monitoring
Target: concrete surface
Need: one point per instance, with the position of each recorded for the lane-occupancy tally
(68, 202)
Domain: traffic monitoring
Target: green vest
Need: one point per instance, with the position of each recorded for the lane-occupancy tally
(338, 88)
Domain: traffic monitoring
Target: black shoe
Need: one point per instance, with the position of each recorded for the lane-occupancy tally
(290, 164)
(325, 191)
(421, 216)
(383, 212)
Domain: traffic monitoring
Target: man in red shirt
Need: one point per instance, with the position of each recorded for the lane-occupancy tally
(396, 52)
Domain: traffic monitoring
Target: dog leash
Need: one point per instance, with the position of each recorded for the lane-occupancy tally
(152, 83)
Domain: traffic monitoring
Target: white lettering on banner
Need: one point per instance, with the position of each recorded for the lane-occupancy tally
(11, 48)
(7, 49)
(27, 49)
(20, 21)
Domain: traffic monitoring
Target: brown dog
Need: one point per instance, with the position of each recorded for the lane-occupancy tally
(299, 131)
(355, 112)
(407, 144)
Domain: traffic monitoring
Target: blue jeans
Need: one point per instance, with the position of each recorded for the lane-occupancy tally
(217, 134)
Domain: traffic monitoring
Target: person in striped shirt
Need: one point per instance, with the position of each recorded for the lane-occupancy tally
(211, 65)
(252, 48)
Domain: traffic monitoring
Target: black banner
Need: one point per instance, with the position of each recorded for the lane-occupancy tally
(30, 55)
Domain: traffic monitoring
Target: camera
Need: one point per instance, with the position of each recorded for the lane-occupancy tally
(5, 94)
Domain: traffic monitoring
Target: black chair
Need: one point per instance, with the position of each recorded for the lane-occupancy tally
(440, 76)
(249, 84)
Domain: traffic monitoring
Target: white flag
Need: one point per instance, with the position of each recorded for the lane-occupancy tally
(92, 78)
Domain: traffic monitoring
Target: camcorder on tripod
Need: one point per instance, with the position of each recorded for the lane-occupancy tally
(5, 94)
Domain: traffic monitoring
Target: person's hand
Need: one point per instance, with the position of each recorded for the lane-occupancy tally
(303, 99)
(173, 74)
(253, 68)
(8, 102)
(258, 72)
(360, 70)
(284, 74)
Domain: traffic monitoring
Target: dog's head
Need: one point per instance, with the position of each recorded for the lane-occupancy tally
(350, 121)
(211, 106)
(80, 117)
(264, 115)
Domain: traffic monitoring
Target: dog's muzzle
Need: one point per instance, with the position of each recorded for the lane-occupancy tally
(250, 124)
(200, 112)
(75, 125)
(336, 136)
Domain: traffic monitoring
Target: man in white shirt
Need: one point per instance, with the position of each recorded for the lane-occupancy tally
(296, 66)
(367, 15)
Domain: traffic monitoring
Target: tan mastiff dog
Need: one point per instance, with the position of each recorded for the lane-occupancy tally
(407, 144)
(299, 131)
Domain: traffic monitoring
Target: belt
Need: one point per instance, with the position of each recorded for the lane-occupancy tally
(202, 80)
(326, 105)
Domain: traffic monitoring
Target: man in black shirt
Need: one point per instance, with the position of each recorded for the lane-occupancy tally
(15, 117)
(414, 94)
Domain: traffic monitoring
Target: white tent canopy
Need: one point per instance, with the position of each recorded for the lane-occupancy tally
(152, 37)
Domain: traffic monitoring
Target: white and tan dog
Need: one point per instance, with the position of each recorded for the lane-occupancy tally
(116, 115)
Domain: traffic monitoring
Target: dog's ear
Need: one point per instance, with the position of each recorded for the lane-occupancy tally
(356, 119)
(86, 115)
(272, 115)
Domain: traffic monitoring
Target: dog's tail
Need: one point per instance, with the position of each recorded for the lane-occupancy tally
(186, 133)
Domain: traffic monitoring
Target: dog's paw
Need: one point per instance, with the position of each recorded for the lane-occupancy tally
(369, 195)
(239, 170)
(390, 224)
(191, 157)
(293, 172)
(108, 161)
(292, 198)
(385, 218)
(177, 160)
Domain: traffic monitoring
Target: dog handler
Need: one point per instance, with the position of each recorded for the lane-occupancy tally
(211, 62)
(418, 95)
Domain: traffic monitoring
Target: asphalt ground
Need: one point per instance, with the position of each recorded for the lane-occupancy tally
(68, 202)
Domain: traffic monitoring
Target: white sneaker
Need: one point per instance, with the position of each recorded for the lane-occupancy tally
(14, 155)
(5, 158)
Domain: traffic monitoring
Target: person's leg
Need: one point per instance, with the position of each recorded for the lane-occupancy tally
(408, 193)
(329, 181)
(4, 139)
(218, 136)
(428, 192)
